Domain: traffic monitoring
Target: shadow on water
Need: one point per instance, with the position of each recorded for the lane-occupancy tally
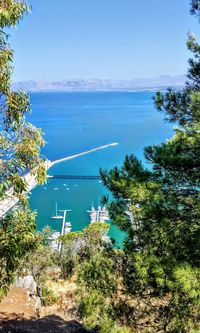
(48, 324)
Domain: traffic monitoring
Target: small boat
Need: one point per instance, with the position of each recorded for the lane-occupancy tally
(56, 216)
(67, 228)
(54, 240)
(68, 224)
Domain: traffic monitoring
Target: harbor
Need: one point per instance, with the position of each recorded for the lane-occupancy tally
(10, 200)
(99, 215)
(65, 227)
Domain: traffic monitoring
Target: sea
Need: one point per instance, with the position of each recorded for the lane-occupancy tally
(75, 122)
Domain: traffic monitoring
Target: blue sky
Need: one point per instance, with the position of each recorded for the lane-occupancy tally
(117, 39)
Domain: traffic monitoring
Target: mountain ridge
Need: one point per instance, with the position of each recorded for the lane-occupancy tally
(162, 82)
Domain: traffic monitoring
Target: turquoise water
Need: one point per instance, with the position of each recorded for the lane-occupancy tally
(76, 122)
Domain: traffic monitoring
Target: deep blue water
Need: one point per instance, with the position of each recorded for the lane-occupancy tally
(76, 122)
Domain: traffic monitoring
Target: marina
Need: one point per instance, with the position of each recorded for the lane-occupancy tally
(98, 215)
(10, 200)
(66, 227)
(134, 111)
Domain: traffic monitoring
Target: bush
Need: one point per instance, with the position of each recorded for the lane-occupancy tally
(91, 308)
(98, 274)
(48, 297)
(108, 326)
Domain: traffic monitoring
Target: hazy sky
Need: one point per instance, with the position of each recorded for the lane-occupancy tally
(119, 39)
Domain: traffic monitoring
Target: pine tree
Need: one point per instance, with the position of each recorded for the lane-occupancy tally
(159, 207)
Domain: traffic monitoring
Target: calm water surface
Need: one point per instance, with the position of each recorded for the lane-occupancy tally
(76, 122)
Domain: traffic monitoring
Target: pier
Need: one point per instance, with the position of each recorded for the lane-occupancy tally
(83, 153)
(10, 199)
(56, 242)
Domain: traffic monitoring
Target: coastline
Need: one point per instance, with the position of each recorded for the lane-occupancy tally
(10, 200)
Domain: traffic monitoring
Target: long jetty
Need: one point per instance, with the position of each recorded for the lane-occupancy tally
(10, 200)
(83, 153)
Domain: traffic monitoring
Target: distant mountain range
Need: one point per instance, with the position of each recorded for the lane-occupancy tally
(161, 82)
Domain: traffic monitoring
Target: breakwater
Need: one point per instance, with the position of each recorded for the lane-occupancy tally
(10, 199)
(84, 153)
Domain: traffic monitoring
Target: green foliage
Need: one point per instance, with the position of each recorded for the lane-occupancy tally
(38, 262)
(94, 310)
(11, 12)
(80, 246)
(195, 7)
(98, 274)
(16, 239)
(66, 263)
(97, 228)
(67, 259)
(91, 308)
(20, 144)
(187, 281)
(159, 207)
(94, 240)
(109, 326)
(71, 236)
(186, 299)
(48, 297)
(144, 274)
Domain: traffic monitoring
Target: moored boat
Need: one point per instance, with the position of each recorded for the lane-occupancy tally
(56, 216)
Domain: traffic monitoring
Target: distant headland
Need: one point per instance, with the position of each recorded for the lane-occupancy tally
(75, 85)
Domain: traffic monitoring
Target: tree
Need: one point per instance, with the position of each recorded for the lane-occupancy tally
(20, 144)
(97, 279)
(71, 246)
(78, 247)
(159, 207)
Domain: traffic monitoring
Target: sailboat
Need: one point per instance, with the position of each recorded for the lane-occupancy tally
(56, 216)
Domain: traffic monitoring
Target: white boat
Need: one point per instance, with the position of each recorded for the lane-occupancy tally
(67, 227)
(54, 240)
(98, 215)
(68, 224)
(56, 216)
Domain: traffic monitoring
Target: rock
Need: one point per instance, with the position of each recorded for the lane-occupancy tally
(27, 282)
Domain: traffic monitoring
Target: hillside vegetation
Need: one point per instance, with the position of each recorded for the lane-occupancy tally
(152, 284)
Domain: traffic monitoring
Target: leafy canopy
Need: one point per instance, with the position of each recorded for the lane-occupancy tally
(20, 144)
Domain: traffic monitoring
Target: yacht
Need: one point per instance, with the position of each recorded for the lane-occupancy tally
(98, 215)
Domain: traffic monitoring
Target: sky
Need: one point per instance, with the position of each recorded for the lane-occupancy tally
(106, 39)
